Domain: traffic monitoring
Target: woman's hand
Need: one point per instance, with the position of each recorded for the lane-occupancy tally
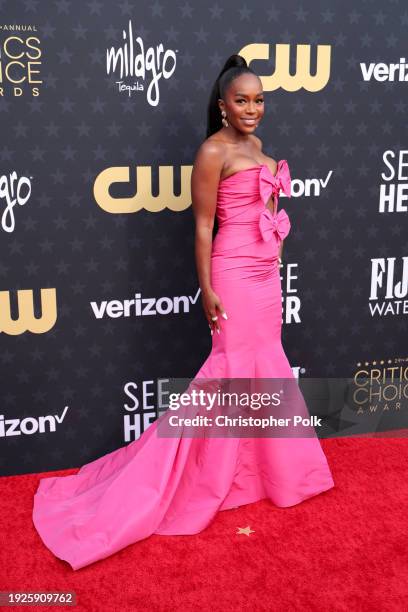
(213, 309)
(280, 249)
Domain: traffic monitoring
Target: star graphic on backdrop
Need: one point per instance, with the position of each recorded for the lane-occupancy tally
(245, 530)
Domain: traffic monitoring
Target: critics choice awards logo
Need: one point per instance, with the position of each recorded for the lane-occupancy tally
(20, 60)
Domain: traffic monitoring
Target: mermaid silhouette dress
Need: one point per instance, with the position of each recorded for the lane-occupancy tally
(176, 485)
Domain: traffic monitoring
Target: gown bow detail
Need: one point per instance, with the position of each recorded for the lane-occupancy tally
(269, 223)
(273, 185)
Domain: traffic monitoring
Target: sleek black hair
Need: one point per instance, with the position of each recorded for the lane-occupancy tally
(233, 68)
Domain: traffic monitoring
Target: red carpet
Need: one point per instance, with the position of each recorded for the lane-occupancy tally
(346, 549)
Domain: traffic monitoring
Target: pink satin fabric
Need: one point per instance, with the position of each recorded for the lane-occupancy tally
(176, 486)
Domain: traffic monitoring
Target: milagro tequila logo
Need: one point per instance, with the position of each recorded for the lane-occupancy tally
(137, 62)
(14, 191)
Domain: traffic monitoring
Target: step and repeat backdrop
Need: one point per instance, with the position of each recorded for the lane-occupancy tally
(102, 108)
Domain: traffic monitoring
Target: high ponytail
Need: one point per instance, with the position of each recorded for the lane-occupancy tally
(233, 67)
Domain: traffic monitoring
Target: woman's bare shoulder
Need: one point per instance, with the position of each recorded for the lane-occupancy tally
(211, 151)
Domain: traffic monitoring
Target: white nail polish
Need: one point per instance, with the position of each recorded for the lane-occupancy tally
(224, 314)
(218, 330)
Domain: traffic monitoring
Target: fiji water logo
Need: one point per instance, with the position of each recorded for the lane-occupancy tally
(131, 60)
(389, 286)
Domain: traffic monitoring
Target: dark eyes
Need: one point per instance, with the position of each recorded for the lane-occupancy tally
(242, 100)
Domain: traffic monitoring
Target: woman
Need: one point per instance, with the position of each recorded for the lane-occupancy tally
(173, 485)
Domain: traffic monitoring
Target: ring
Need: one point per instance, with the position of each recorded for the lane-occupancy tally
(214, 318)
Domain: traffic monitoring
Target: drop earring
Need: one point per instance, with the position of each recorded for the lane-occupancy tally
(224, 121)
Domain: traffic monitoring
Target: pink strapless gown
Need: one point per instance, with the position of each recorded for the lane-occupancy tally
(175, 486)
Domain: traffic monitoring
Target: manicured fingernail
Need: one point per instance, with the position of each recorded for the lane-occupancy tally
(224, 314)
(218, 330)
(212, 332)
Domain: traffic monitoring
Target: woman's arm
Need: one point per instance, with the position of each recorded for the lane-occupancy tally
(204, 185)
(205, 178)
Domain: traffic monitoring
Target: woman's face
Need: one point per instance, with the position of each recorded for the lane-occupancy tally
(244, 103)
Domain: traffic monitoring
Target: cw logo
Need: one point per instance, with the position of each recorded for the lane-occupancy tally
(26, 320)
(143, 198)
(282, 77)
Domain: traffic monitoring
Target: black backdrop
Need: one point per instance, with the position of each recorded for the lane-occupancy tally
(80, 375)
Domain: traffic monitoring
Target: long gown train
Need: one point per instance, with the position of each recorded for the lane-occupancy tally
(176, 485)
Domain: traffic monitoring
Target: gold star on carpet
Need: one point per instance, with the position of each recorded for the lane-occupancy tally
(245, 530)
